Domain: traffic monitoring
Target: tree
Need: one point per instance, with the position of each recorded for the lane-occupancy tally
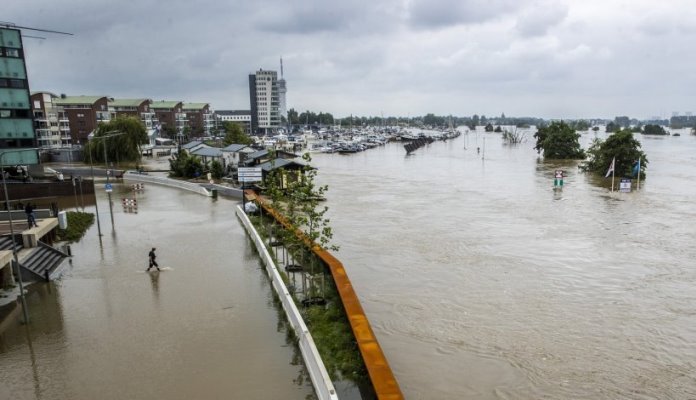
(184, 165)
(169, 131)
(580, 125)
(622, 147)
(654, 130)
(216, 169)
(612, 127)
(234, 134)
(514, 136)
(128, 135)
(559, 141)
(498, 129)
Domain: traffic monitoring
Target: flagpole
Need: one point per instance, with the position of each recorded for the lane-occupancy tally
(638, 184)
(612, 179)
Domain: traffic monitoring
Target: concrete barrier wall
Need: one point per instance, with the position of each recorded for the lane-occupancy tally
(317, 371)
(160, 180)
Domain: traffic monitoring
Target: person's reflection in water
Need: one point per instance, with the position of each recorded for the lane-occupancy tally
(154, 280)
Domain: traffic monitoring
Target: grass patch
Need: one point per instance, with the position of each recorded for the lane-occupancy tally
(78, 223)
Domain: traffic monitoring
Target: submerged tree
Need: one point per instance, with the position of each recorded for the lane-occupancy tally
(558, 141)
(621, 147)
(120, 139)
(514, 136)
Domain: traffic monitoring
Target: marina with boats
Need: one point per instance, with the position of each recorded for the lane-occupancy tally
(348, 141)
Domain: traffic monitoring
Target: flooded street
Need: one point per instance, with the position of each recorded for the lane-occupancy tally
(481, 282)
(204, 328)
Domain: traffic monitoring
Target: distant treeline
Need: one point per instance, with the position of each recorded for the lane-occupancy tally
(324, 118)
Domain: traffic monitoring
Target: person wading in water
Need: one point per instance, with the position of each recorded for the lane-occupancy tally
(153, 260)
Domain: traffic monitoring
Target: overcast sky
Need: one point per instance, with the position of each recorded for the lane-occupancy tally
(548, 58)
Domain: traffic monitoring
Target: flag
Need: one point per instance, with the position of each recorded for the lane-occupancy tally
(611, 167)
(636, 168)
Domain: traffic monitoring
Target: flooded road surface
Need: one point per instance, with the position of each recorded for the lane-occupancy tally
(205, 328)
(481, 282)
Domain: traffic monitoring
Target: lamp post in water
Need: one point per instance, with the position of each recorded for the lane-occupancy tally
(12, 235)
(106, 163)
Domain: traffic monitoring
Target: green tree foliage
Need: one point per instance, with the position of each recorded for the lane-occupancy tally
(612, 127)
(169, 131)
(654, 130)
(234, 134)
(622, 146)
(216, 169)
(183, 165)
(580, 125)
(122, 137)
(498, 129)
(558, 141)
(489, 128)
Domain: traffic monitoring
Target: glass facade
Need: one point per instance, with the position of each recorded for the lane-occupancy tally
(16, 124)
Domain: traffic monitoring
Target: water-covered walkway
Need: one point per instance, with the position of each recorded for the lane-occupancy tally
(204, 328)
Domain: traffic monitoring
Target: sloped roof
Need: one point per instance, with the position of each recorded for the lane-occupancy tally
(127, 102)
(234, 147)
(208, 152)
(194, 106)
(74, 100)
(257, 154)
(164, 104)
(191, 145)
(280, 163)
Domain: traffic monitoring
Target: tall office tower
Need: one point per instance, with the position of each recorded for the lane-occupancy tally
(17, 136)
(263, 96)
(282, 91)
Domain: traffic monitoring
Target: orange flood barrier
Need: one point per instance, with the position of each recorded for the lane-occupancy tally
(385, 385)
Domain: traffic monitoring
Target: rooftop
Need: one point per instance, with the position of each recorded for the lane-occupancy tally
(127, 102)
(164, 104)
(194, 106)
(72, 100)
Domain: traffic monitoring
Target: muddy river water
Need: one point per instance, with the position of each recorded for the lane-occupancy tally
(481, 282)
(478, 279)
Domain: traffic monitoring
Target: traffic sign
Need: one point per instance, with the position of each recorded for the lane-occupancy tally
(108, 188)
(625, 185)
(250, 174)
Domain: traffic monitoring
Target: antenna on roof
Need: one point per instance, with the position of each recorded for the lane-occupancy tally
(12, 25)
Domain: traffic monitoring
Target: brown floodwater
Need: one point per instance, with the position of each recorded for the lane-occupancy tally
(482, 282)
(204, 328)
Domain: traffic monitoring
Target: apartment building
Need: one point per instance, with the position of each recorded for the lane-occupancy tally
(170, 114)
(200, 119)
(139, 108)
(264, 101)
(241, 117)
(51, 122)
(17, 136)
(84, 114)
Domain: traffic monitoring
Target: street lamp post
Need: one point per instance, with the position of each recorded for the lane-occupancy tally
(94, 189)
(106, 162)
(14, 241)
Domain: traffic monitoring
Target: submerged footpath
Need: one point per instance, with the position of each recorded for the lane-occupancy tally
(382, 383)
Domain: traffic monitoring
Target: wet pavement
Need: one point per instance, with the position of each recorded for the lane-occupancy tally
(206, 327)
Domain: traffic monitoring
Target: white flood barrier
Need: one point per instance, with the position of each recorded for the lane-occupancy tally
(317, 372)
(161, 180)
